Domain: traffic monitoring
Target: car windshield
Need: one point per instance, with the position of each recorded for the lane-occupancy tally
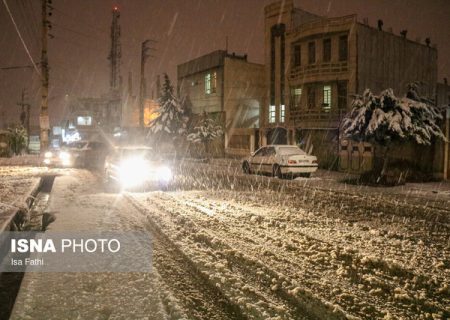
(148, 154)
(76, 145)
(290, 150)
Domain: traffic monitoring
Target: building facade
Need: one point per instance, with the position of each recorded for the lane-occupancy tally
(315, 65)
(231, 90)
(90, 118)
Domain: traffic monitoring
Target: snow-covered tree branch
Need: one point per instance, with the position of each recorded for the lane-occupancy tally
(205, 132)
(385, 118)
(172, 120)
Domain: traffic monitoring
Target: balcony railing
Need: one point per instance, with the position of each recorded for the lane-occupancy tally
(319, 69)
(298, 115)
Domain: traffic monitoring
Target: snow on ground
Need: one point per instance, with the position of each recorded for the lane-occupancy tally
(78, 202)
(312, 252)
(16, 183)
(276, 249)
(23, 160)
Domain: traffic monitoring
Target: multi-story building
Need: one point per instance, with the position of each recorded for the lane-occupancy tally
(231, 90)
(315, 65)
(92, 117)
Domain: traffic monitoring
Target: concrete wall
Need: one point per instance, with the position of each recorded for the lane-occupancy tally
(386, 60)
(244, 95)
(192, 88)
(442, 156)
(239, 94)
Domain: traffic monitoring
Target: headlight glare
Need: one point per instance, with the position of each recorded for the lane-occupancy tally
(165, 174)
(133, 172)
(63, 155)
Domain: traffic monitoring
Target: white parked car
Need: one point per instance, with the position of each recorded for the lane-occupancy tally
(280, 160)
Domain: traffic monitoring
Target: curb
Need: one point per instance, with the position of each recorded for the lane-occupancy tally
(27, 201)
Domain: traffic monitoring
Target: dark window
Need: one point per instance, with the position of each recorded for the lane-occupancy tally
(270, 152)
(311, 97)
(343, 48)
(342, 94)
(311, 52)
(297, 55)
(326, 50)
(260, 152)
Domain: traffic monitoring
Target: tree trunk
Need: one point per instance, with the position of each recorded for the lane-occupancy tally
(207, 149)
(385, 161)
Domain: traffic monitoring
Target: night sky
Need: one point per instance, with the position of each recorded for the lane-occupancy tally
(184, 29)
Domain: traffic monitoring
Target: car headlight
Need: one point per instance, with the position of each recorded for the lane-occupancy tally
(133, 172)
(165, 174)
(63, 155)
(48, 154)
(65, 158)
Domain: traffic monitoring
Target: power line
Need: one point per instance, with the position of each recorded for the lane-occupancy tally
(21, 39)
(77, 32)
(17, 67)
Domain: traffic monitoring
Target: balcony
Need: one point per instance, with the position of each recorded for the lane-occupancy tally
(302, 116)
(318, 69)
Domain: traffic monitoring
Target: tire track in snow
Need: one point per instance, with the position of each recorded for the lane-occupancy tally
(267, 284)
(200, 298)
(223, 231)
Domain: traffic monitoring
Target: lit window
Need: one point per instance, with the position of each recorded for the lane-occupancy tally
(282, 113)
(327, 97)
(272, 114)
(208, 83)
(84, 121)
(296, 94)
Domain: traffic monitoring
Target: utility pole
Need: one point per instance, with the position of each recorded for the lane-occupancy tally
(115, 54)
(145, 54)
(44, 121)
(22, 104)
(25, 116)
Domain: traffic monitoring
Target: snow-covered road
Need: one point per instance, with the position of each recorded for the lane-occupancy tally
(236, 247)
(173, 290)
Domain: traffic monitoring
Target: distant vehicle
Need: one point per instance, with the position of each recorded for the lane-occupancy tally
(78, 154)
(136, 167)
(58, 158)
(280, 161)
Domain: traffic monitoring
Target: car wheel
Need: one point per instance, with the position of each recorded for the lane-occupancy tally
(246, 167)
(276, 171)
(306, 175)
